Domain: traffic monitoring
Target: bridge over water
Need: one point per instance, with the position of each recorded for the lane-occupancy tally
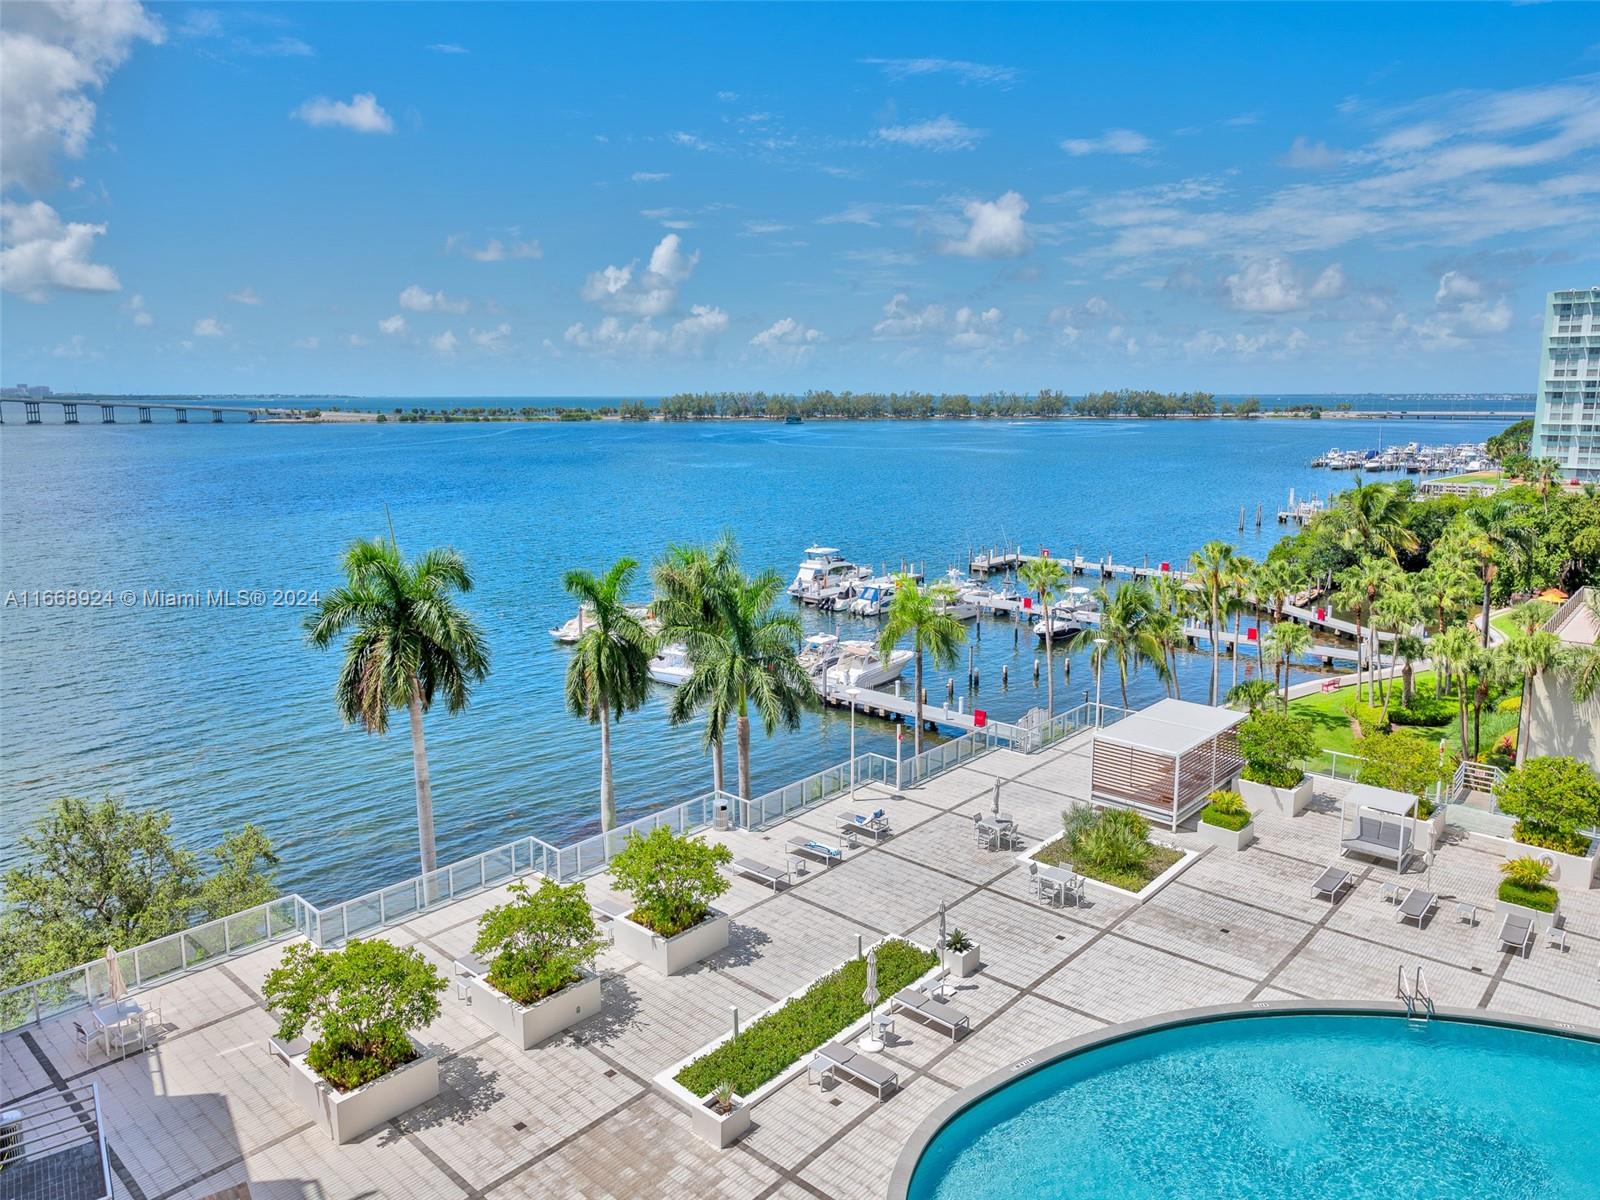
(33, 409)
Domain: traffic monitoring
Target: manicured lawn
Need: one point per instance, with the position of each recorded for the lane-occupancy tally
(1326, 712)
(1500, 621)
(1473, 477)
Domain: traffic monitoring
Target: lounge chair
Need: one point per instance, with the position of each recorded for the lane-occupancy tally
(1378, 838)
(842, 1062)
(810, 848)
(918, 1003)
(1416, 906)
(1516, 933)
(770, 876)
(877, 824)
(1331, 882)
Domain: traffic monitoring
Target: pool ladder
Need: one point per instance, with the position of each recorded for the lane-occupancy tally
(1418, 999)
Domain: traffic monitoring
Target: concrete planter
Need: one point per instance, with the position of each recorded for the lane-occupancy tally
(962, 965)
(1568, 872)
(527, 1025)
(720, 1129)
(1430, 833)
(1291, 802)
(1228, 839)
(668, 956)
(1541, 920)
(345, 1116)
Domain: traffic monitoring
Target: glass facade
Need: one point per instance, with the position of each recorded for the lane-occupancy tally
(1567, 419)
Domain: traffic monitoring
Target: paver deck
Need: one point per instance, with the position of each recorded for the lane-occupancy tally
(205, 1111)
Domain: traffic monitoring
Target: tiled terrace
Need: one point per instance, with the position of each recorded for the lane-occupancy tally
(206, 1110)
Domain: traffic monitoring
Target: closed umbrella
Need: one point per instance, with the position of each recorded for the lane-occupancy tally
(943, 938)
(869, 1040)
(997, 797)
(114, 982)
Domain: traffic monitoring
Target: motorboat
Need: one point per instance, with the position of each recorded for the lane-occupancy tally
(574, 628)
(1077, 609)
(671, 666)
(860, 665)
(825, 575)
(872, 597)
(818, 651)
(955, 606)
(999, 600)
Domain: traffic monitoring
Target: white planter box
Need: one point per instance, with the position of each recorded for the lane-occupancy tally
(1228, 839)
(527, 1025)
(720, 1129)
(1568, 872)
(1291, 802)
(963, 965)
(345, 1116)
(1186, 857)
(668, 956)
(1430, 833)
(1541, 920)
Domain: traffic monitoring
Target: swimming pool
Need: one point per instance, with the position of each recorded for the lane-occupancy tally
(1270, 1107)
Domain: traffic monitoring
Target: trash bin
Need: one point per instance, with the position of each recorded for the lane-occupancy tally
(720, 815)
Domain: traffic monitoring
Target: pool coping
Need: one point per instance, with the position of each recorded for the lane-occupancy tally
(911, 1153)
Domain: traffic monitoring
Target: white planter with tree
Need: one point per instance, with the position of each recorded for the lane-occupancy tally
(673, 880)
(1273, 744)
(1226, 821)
(960, 955)
(1553, 798)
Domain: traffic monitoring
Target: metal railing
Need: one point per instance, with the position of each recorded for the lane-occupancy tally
(1336, 764)
(780, 803)
(63, 1125)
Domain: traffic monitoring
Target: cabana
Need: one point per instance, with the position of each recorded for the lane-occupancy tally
(1384, 824)
(1166, 759)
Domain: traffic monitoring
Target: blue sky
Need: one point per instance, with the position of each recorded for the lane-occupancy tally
(610, 199)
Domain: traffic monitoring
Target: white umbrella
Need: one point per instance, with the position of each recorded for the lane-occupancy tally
(941, 929)
(114, 983)
(869, 1040)
(997, 797)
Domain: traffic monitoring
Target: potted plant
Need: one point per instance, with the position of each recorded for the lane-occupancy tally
(961, 954)
(721, 1118)
(1525, 890)
(1552, 799)
(1272, 744)
(1226, 821)
(1407, 762)
(672, 880)
(359, 1005)
(540, 946)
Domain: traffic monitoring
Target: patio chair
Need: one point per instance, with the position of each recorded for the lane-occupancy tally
(83, 1039)
(1033, 880)
(1331, 882)
(917, 1003)
(809, 848)
(842, 1062)
(1416, 906)
(1516, 933)
(760, 872)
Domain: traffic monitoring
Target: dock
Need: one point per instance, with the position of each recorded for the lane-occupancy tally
(993, 561)
(871, 701)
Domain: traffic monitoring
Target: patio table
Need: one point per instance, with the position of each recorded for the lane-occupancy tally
(114, 1017)
(1060, 877)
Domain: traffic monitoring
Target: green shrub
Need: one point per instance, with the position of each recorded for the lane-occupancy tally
(1541, 896)
(1369, 717)
(360, 1004)
(1402, 762)
(538, 939)
(1425, 709)
(672, 879)
(958, 942)
(766, 1046)
(1553, 799)
(1273, 743)
(1226, 810)
(1112, 845)
(1526, 871)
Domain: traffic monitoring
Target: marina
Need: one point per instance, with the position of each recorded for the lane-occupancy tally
(1414, 458)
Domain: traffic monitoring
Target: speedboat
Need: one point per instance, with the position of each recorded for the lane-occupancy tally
(575, 627)
(1077, 609)
(671, 666)
(998, 600)
(824, 575)
(860, 665)
(818, 651)
(872, 597)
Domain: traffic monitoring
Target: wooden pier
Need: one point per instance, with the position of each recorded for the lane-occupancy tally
(872, 702)
(992, 560)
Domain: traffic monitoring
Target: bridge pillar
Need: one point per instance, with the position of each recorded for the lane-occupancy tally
(144, 414)
(70, 413)
(32, 407)
(183, 416)
(216, 416)
(108, 414)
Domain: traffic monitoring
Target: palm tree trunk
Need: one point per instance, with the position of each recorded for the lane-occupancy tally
(1522, 712)
(1238, 625)
(916, 726)
(608, 794)
(744, 753)
(718, 774)
(1122, 672)
(1216, 658)
(1049, 669)
(419, 768)
(1486, 604)
(1360, 652)
(1461, 706)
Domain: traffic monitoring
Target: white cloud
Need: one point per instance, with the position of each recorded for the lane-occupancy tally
(683, 138)
(209, 327)
(1306, 155)
(245, 296)
(417, 298)
(1272, 285)
(1209, 343)
(1112, 141)
(974, 330)
(142, 317)
(447, 48)
(1329, 285)
(307, 343)
(997, 229)
(75, 346)
(393, 326)
(650, 176)
(647, 293)
(967, 72)
(361, 113)
(941, 133)
(761, 228)
(354, 340)
(39, 253)
(1457, 285)
(492, 340)
(788, 341)
(52, 56)
(692, 335)
(900, 320)
(855, 214)
(445, 343)
(497, 251)
(1462, 312)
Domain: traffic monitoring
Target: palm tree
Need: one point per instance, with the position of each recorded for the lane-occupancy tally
(1410, 647)
(1124, 632)
(610, 669)
(1370, 520)
(1287, 640)
(1543, 473)
(1044, 577)
(1166, 627)
(1581, 664)
(1530, 651)
(1212, 568)
(1493, 532)
(746, 656)
(1444, 588)
(408, 641)
(690, 583)
(1397, 613)
(915, 611)
(1253, 693)
(1275, 580)
(1239, 601)
(1453, 650)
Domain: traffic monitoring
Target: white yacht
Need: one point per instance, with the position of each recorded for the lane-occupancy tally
(574, 628)
(818, 651)
(872, 597)
(671, 666)
(824, 575)
(1005, 599)
(860, 665)
(1077, 609)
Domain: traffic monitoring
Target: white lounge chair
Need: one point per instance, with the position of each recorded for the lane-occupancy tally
(760, 872)
(1331, 882)
(841, 1062)
(1516, 933)
(1416, 906)
(918, 1003)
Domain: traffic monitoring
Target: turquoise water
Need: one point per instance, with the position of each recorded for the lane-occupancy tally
(1288, 1108)
(225, 715)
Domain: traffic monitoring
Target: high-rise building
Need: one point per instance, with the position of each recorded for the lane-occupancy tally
(1566, 422)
